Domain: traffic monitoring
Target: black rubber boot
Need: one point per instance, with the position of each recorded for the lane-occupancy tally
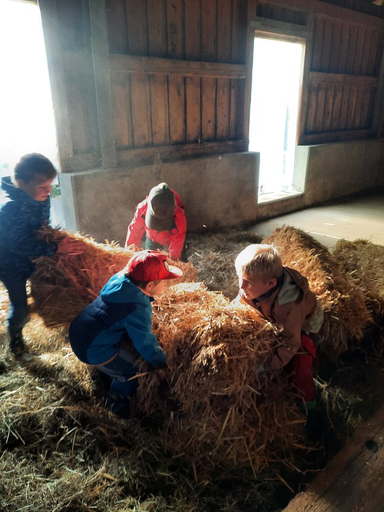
(16, 344)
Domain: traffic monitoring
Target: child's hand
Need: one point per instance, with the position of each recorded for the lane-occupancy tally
(70, 246)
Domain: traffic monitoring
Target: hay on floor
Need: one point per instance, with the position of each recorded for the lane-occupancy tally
(346, 313)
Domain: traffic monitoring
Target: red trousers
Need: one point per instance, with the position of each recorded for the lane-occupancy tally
(300, 368)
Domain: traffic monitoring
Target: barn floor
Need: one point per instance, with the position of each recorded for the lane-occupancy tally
(360, 216)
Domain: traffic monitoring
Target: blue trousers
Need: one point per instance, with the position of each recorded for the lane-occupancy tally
(121, 369)
(18, 308)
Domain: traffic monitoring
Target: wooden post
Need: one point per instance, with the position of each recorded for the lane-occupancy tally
(100, 56)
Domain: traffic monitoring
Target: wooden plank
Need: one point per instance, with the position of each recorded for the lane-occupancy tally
(141, 123)
(317, 44)
(153, 65)
(350, 64)
(352, 106)
(157, 45)
(365, 107)
(377, 100)
(192, 84)
(336, 43)
(344, 135)
(176, 85)
(244, 89)
(209, 31)
(100, 56)
(117, 26)
(328, 112)
(358, 108)
(192, 30)
(353, 479)
(320, 108)
(311, 111)
(137, 27)
(122, 110)
(174, 9)
(223, 55)
(345, 107)
(143, 156)
(337, 99)
(343, 48)
(193, 109)
(372, 54)
(327, 46)
(337, 78)
(232, 110)
(305, 86)
(359, 51)
(366, 50)
(208, 110)
(278, 27)
(356, 18)
(176, 95)
(159, 109)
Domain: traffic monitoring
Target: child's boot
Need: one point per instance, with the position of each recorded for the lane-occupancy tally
(16, 344)
(118, 400)
(310, 425)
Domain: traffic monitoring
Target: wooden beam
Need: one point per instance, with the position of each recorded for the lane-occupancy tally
(155, 66)
(316, 77)
(100, 56)
(322, 138)
(353, 479)
(280, 27)
(147, 156)
(378, 112)
(357, 18)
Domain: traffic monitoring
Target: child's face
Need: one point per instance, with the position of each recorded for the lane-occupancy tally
(252, 287)
(37, 189)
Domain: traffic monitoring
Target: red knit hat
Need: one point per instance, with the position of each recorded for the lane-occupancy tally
(151, 266)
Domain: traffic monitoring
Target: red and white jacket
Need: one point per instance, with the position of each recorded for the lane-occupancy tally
(173, 239)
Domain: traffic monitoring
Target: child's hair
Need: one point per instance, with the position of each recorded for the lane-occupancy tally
(34, 166)
(259, 260)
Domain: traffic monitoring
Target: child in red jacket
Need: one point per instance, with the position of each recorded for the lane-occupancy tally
(161, 218)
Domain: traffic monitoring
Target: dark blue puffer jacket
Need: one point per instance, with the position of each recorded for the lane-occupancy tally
(21, 217)
(120, 309)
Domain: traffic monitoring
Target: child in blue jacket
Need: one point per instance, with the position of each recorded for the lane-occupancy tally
(114, 330)
(25, 212)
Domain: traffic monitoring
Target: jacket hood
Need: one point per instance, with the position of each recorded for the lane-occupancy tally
(15, 193)
(120, 289)
(294, 286)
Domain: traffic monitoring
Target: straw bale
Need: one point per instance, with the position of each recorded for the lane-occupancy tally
(62, 285)
(346, 314)
(213, 407)
(363, 261)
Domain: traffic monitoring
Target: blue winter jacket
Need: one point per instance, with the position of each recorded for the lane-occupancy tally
(21, 217)
(120, 309)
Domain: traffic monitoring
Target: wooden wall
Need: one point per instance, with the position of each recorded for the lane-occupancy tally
(344, 51)
(177, 73)
(143, 81)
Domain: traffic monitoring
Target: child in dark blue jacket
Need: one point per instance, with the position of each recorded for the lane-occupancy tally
(114, 330)
(25, 212)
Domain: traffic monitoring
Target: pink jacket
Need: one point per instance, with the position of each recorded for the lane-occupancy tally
(173, 239)
(292, 308)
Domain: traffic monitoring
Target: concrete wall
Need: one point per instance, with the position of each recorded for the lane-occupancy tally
(331, 171)
(217, 191)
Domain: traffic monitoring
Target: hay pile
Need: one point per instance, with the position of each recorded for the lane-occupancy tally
(363, 261)
(214, 410)
(214, 254)
(346, 313)
(62, 285)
